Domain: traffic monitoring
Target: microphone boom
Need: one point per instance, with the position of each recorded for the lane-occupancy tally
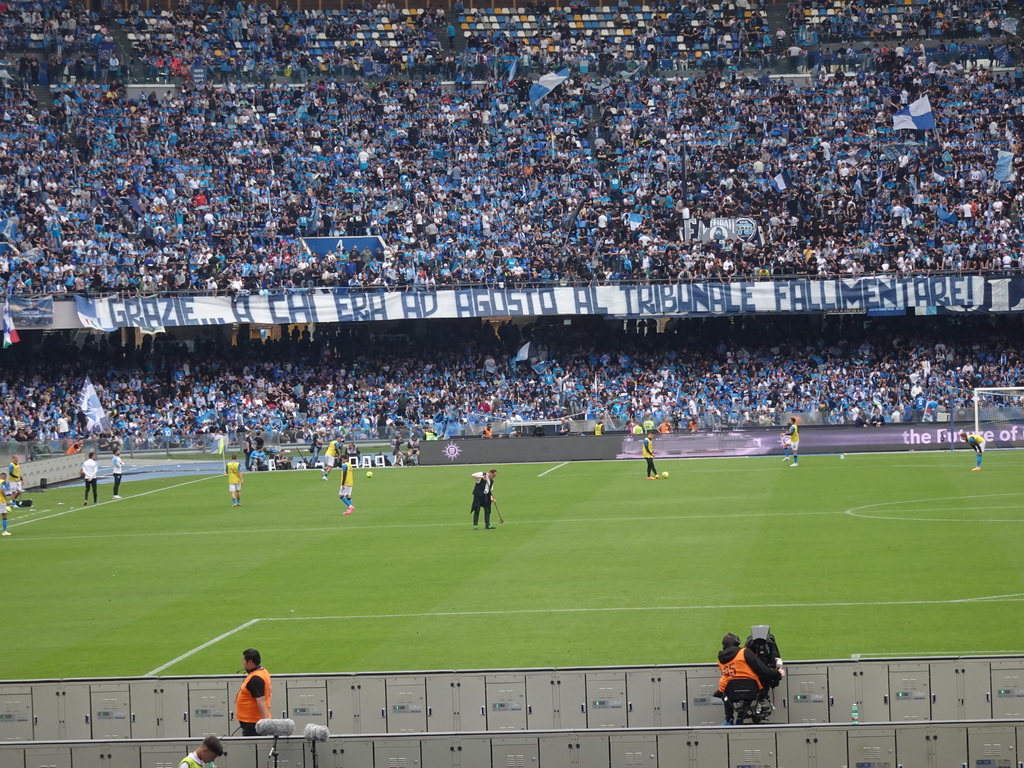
(315, 733)
(269, 727)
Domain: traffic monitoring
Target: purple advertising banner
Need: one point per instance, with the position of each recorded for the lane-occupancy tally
(915, 436)
(849, 439)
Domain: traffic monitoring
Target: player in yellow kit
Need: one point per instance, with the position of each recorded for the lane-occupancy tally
(234, 472)
(331, 455)
(348, 476)
(793, 432)
(977, 442)
(5, 487)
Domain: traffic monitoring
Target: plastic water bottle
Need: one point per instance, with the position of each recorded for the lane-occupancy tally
(855, 714)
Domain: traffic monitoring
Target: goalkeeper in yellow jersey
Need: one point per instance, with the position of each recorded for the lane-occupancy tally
(977, 442)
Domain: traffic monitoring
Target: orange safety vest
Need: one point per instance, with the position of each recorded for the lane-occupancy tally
(737, 668)
(246, 708)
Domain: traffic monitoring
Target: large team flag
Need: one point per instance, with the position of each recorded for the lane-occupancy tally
(89, 404)
(10, 332)
(915, 117)
(547, 84)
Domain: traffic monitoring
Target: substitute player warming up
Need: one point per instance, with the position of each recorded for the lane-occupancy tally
(348, 476)
(233, 469)
(977, 442)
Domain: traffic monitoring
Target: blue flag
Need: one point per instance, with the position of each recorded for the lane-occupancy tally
(782, 181)
(915, 117)
(89, 404)
(373, 68)
(945, 216)
(547, 84)
(1004, 165)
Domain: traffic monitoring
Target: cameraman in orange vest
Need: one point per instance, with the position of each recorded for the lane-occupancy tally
(736, 662)
(253, 700)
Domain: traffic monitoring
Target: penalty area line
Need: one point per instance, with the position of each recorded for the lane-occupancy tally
(564, 463)
(83, 508)
(199, 648)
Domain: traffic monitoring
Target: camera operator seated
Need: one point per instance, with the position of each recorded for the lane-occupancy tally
(281, 460)
(737, 664)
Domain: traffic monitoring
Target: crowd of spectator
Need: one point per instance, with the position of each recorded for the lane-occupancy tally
(254, 43)
(606, 180)
(464, 376)
(212, 189)
(836, 20)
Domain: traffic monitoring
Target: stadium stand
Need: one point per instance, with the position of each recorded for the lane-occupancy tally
(465, 375)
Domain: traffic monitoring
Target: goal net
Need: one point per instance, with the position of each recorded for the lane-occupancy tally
(1000, 410)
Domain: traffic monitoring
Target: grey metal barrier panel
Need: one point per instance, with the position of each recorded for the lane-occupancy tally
(812, 693)
(881, 745)
(761, 441)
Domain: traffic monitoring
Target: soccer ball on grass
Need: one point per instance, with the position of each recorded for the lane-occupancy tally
(664, 474)
(369, 474)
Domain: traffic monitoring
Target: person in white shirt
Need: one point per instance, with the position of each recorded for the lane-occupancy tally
(118, 463)
(89, 471)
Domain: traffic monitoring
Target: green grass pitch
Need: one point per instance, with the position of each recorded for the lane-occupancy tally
(900, 554)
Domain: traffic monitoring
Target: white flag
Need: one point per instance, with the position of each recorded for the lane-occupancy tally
(89, 404)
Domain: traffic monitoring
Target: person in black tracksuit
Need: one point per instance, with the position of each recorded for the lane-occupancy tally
(482, 497)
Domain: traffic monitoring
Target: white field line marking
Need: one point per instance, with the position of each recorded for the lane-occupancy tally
(71, 508)
(198, 648)
(855, 511)
(958, 654)
(398, 526)
(548, 611)
(990, 597)
(564, 463)
(526, 611)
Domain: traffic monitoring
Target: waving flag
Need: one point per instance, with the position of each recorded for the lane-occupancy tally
(946, 216)
(89, 405)
(528, 350)
(915, 117)
(782, 181)
(1004, 168)
(547, 84)
(1009, 24)
(10, 332)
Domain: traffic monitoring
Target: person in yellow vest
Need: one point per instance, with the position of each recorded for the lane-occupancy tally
(599, 429)
(348, 477)
(977, 442)
(648, 424)
(793, 432)
(637, 428)
(208, 751)
(252, 703)
(334, 450)
(5, 487)
(735, 663)
(14, 480)
(233, 469)
(652, 472)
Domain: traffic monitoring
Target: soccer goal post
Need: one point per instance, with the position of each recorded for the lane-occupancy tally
(1000, 410)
